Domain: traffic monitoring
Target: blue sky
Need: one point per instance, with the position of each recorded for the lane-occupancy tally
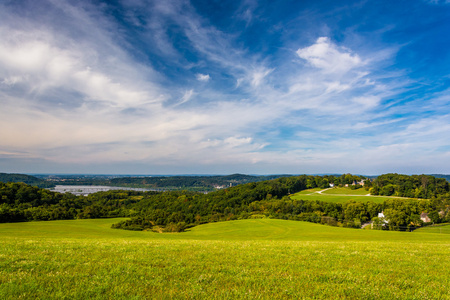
(220, 87)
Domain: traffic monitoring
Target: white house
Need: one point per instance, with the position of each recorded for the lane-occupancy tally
(382, 218)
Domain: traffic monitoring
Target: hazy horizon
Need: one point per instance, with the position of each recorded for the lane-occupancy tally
(212, 174)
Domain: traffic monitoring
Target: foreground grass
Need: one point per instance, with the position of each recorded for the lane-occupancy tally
(262, 259)
(339, 195)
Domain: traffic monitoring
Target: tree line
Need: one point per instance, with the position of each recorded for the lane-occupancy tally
(21, 202)
(178, 210)
(415, 186)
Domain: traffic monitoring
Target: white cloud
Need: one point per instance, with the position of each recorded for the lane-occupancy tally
(44, 65)
(203, 77)
(327, 56)
(237, 141)
(258, 76)
(13, 80)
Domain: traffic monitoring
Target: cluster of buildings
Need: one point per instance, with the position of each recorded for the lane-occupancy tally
(361, 183)
(423, 216)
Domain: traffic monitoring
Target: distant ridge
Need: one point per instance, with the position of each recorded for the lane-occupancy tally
(28, 179)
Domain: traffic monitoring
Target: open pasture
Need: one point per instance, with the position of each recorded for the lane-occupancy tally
(346, 191)
(247, 259)
(438, 228)
(338, 195)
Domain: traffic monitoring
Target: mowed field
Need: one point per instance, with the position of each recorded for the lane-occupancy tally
(339, 195)
(246, 259)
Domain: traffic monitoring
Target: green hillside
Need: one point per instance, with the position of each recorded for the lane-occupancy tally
(339, 195)
(254, 229)
(438, 228)
(248, 259)
(28, 179)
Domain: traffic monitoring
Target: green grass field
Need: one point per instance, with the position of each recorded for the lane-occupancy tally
(344, 190)
(247, 259)
(338, 195)
(439, 228)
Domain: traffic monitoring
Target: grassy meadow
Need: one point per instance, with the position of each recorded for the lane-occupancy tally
(338, 195)
(438, 228)
(247, 259)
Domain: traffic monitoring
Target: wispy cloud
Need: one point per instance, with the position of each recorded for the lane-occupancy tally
(187, 96)
(438, 1)
(258, 76)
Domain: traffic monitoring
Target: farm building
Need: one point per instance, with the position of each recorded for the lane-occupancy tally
(424, 217)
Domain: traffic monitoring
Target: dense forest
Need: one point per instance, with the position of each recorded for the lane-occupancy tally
(415, 186)
(178, 210)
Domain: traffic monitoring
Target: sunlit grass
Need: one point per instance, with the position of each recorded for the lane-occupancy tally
(439, 228)
(346, 191)
(339, 195)
(249, 259)
(309, 191)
